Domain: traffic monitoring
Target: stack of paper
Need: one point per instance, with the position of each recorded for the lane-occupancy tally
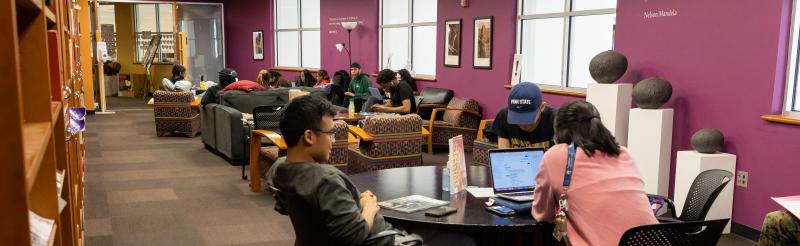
(481, 192)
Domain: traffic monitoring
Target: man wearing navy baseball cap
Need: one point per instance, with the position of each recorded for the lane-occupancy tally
(527, 121)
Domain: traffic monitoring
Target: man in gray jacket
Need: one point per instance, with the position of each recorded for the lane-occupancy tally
(324, 200)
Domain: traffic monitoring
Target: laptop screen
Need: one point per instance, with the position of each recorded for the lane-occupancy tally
(515, 169)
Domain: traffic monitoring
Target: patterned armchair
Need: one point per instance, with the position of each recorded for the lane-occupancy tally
(176, 112)
(482, 145)
(339, 153)
(461, 117)
(387, 141)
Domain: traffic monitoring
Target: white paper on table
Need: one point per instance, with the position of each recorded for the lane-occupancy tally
(40, 229)
(790, 203)
(457, 165)
(480, 192)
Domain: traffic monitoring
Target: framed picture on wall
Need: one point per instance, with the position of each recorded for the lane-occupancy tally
(258, 45)
(482, 43)
(452, 40)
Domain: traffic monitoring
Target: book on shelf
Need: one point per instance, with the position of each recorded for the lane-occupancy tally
(41, 228)
(59, 181)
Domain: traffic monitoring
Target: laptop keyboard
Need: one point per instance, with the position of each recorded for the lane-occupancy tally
(520, 194)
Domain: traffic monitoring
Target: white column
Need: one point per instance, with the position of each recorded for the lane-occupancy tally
(614, 103)
(688, 165)
(649, 143)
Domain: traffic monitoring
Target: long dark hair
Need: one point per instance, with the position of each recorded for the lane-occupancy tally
(309, 79)
(579, 122)
(405, 75)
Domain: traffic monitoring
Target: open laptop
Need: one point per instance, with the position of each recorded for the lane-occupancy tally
(375, 92)
(514, 172)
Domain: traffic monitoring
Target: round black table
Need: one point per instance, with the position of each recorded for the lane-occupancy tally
(394, 183)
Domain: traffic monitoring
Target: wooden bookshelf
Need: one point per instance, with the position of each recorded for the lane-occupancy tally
(37, 64)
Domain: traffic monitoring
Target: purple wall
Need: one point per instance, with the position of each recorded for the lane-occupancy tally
(725, 62)
(364, 38)
(486, 86)
(712, 53)
(242, 18)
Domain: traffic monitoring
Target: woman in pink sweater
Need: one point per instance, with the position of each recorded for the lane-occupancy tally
(606, 194)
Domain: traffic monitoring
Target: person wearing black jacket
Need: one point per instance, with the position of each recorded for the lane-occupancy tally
(226, 77)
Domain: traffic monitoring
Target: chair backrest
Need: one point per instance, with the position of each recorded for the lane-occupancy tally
(433, 95)
(394, 135)
(704, 190)
(675, 234)
(462, 117)
(267, 117)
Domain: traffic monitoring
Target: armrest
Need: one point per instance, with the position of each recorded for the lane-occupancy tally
(351, 139)
(255, 145)
(433, 118)
(430, 105)
(481, 127)
(274, 137)
(360, 133)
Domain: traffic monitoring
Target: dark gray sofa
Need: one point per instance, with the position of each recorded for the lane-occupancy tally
(223, 130)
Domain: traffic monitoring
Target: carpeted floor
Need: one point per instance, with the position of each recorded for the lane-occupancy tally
(145, 190)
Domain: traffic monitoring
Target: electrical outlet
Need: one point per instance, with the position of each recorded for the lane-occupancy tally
(741, 178)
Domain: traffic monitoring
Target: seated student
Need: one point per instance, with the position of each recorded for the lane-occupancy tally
(526, 122)
(177, 81)
(348, 217)
(226, 77)
(404, 75)
(780, 228)
(401, 96)
(358, 89)
(273, 77)
(606, 194)
(263, 78)
(323, 79)
(305, 79)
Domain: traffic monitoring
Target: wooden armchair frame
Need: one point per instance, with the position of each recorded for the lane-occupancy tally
(433, 120)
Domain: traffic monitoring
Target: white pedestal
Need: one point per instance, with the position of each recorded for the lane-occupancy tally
(688, 165)
(614, 103)
(649, 143)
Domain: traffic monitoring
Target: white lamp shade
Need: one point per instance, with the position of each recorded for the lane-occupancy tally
(349, 25)
(339, 47)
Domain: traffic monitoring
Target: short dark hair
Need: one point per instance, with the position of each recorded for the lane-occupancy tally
(386, 76)
(178, 69)
(579, 122)
(355, 65)
(303, 113)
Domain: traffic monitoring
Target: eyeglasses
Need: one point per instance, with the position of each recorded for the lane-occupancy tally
(329, 133)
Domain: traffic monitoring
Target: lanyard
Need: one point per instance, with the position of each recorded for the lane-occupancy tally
(570, 165)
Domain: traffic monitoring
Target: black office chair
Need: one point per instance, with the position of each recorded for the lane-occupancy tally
(309, 229)
(266, 117)
(702, 194)
(675, 234)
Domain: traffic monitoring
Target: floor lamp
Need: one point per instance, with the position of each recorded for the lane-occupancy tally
(349, 26)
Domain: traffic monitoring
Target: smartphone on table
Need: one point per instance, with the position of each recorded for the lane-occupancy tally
(501, 210)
